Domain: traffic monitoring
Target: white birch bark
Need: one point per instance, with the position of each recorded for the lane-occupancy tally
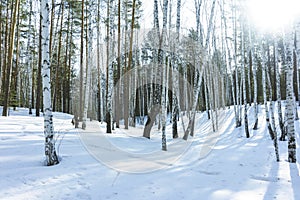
(175, 89)
(272, 126)
(244, 87)
(108, 70)
(99, 71)
(278, 91)
(29, 60)
(298, 57)
(50, 152)
(290, 98)
(198, 4)
(88, 68)
(237, 87)
(264, 84)
(164, 80)
(254, 68)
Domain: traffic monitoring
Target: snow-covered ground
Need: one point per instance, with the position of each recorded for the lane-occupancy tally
(222, 165)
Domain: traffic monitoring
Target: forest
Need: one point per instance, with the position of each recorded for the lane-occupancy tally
(132, 62)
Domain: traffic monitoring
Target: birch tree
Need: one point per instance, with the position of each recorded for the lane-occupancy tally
(244, 86)
(109, 70)
(99, 71)
(278, 92)
(39, 74)
(272, 126)
(117, 94)
(81, 63)
(175, 101)
(50, 152)
(29, 58)
(164, 77)
(253, 65)
(290, 98)
(88, 65)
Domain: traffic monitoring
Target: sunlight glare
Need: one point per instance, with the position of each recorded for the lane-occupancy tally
(273, 14)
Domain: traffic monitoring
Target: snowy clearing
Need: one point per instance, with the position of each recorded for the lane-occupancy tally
(234, 168)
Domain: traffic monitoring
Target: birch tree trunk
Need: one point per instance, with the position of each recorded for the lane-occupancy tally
(39, 74)
(278, 91)
(99, 71)
(253, 64)
(50, 152)
(271, 126)
(88, 66)
(264, 79)
(244, 87)
(175, 100)
(109, 72)
(199, 32)
(117, 94)
(5, 57)
(298, 57)
(164, 78)
(130, 66)
(237, 85)
(290, 99)
(30, 63)
(80, 114)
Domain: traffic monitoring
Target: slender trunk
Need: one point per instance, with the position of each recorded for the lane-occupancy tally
(15, 73)
(108, 77)
(290, 100)
(51, 26)
(265, 93)
(39, 74)
(175, 101)
(58, 71)
(1, 51)
(278, 91)
(88, 67)
(117, 93)
(244, 87)
(198, 4)
(80, 114)
(5, 52)
(130, 59)
(254, 67)
(50, 152)
(271, 126)
(298, 58)
(164, 78)
(29, 61)
(69, 69)
(100, 102)
(237, 89)
(10, 59)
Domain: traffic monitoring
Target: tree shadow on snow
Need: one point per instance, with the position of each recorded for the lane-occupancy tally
(295, 179)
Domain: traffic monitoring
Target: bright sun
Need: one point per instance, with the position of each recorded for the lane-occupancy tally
(270, 15)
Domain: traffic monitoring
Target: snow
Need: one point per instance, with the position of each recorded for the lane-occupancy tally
(220, 165)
